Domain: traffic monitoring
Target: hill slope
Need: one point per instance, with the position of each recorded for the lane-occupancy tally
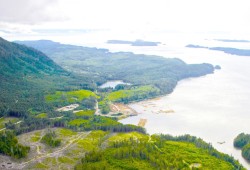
(25, 75)
(133, 150)
(138, 69)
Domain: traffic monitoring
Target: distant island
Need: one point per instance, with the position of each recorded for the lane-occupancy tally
(228, 50)
(134, 43)
(242, 141)
(228, 40)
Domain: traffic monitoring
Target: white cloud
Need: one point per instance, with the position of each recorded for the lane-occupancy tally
(130, 16)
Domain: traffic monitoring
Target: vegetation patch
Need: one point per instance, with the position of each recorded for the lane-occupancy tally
(9, 146)
(246, 152)
(42, 115)
(40, 165)
(85, 113)
(243, 141)
(156, 154)
(4, 120)
(50, 139)
(66, 160)
(66, 132)
(70, 97)
(92, 141)
(129, 136)
(77, 122)
(50, 161)
(135, 93)
(36, 137)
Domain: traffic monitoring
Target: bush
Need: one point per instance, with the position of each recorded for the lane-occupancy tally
(49, 139)
(241, 140)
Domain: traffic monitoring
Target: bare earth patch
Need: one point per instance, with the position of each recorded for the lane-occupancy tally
(123, 109)
(68, 108)
(42, 156)
(142, 122)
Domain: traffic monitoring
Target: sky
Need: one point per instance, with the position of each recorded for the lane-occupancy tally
(97, 20)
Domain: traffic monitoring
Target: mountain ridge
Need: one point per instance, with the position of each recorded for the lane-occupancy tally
(26, 74)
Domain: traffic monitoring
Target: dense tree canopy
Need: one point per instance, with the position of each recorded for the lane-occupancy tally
(243, 141)
(9, 145)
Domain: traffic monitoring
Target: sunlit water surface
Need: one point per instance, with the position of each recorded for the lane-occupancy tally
(215, 107)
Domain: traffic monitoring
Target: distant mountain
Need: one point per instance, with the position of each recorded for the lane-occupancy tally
(233, 51)
(227, 40)
(228, 50)
(26, 74)
(23, 60)
(134, 43)
(137, 69)
(119, 42)
(195, 46)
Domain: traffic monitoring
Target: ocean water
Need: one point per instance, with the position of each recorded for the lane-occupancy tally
(215, 107)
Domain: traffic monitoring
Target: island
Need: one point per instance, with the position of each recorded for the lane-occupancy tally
(242, 141)
(134, 43)
(233, 40)
(228, 50)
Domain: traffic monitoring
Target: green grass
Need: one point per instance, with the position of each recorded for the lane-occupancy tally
(70, 96)
(92, 141)
(36, 137)
(93, 122)
(66, 132)
(127, 152)
(135, 93)
(65, 160)
(189, 153)
(77, 122)
(85, 113)
(40, 166)
(4, 120)
(50, 161)
(128, 136)
(42, 115)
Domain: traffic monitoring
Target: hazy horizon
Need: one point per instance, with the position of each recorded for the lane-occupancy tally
(78, 22)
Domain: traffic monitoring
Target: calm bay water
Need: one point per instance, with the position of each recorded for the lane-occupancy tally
(215, 107)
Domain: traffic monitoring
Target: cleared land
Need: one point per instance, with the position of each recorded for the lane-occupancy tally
(73, 147)
(142, 122)
(123, 109)
(67, 108)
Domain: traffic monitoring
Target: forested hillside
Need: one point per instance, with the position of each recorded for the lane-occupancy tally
(26, 75)
(33, 87)
(242, 141)
(138, 69)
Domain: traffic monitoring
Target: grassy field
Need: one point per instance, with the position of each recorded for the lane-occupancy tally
(42, 115)
(135, 93)
(69, 97)
(85, 113)
(35, 137)
(92, 141)
(77, 122)
(127, 136)
(4, 120)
